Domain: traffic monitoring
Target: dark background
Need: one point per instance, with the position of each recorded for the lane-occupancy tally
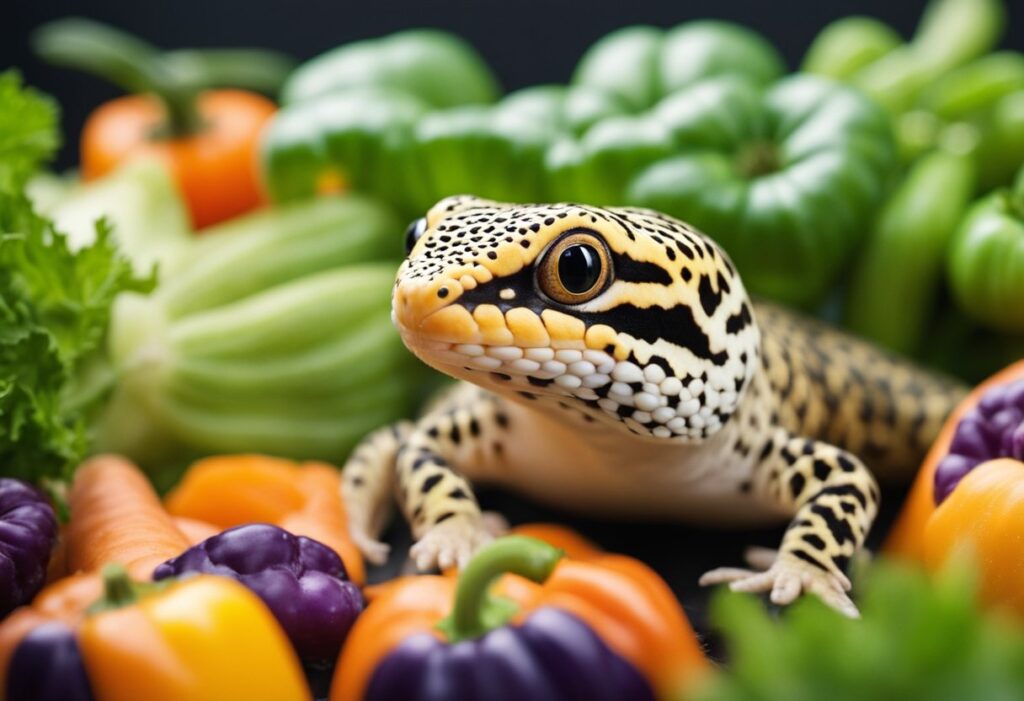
(526, 41)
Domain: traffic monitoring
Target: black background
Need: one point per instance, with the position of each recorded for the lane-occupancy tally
(526, 41)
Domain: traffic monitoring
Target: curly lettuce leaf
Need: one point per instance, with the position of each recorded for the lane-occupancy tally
(28, 131)
(919, 638)
(54, 303)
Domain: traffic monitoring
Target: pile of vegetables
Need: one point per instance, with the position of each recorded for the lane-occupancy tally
(212, 291)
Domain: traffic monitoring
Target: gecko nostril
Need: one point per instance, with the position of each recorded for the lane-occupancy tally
(442, 292)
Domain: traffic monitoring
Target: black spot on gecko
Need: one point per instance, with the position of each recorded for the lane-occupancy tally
(430, 482)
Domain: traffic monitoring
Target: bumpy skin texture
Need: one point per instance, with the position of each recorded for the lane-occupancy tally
(666, 393)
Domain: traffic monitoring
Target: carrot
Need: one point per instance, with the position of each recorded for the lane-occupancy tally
(117, 517)
(303, 498)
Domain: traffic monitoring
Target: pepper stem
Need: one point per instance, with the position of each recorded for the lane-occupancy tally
(476, 611)
(757, 158)
(120, 590)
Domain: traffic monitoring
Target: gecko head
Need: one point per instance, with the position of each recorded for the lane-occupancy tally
(620, 317)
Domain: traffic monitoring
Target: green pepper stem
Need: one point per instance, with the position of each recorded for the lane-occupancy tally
(124, 60)
(118, 588)
(757, 158)
(475, 612)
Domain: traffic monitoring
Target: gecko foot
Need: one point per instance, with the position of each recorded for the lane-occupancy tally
(452, 542)
(786, 578)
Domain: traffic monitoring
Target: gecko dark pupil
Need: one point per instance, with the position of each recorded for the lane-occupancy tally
(579, 268)
(414, 232)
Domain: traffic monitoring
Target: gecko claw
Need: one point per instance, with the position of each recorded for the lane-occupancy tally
(786, 578)
(451, 543)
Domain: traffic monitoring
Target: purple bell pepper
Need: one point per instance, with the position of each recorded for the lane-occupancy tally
(993, 429)
(551, 656)
(28, 532)
(302, 581)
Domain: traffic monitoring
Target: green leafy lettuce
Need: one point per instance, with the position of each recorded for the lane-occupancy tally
(54, 302)
(919, 638)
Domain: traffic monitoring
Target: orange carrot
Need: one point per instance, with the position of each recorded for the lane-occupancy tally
(117, 517)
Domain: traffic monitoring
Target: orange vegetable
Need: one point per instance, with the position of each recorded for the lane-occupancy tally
(117, 517)
(906, 539)
(214, 165)
(623, 601)
(303, 498)
(985, 513)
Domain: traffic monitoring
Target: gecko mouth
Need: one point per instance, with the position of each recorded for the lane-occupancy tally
(590, 381)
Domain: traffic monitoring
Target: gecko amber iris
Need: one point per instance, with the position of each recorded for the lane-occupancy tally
(615, 366)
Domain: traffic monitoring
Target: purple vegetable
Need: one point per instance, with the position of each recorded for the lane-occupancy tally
(552, 656)
(47, 666)
(302, 581)
(28, 532)
(993, 429)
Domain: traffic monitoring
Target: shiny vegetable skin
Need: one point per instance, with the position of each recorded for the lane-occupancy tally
(206, 138)
(641, 65)
(905, 254)
(28, 533)
(845, 46)
(907, 537)
(224, 491)
(603, 627)
(436, 67)
(986, 260)
(302, 582)
(786, 179)
(204, 638)
(984, 516)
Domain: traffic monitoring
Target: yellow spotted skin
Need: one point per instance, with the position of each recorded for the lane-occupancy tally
(665, 392)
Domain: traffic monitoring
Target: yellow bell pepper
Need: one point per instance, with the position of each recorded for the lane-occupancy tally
(204, 638)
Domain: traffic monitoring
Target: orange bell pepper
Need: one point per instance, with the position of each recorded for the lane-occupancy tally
(906, 539)
(302, 498)
(622, 601)
(985, 515)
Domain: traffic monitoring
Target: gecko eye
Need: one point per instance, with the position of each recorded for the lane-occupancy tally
(413, 233)
(575, 269)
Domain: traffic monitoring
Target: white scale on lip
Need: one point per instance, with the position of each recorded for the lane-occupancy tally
(579, 372)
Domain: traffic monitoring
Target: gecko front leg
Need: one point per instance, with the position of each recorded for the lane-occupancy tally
(834, 500)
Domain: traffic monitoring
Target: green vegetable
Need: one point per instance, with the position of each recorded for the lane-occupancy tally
(139, 200)
(54, 304)
(271, 334)
(641, 65)
(904, 257)
(786, 179)
(950, 33)
(986, 260)
(847, 45)
(138, 66)
(438, 68)
(919, 639)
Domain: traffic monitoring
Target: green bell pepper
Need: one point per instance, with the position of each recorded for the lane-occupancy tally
(986, 260)
(904, 256)
(786, 179)
(641, 65)
(356, 139)
(439, 68)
